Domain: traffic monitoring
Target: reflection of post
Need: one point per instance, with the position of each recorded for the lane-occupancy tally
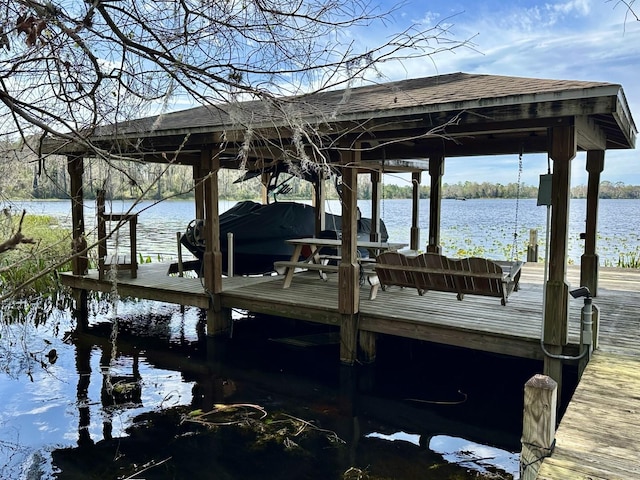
(348, 409)
(105, 361)
(212, 388)
(83, 367)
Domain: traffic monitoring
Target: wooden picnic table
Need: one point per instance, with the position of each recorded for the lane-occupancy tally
(316, 261)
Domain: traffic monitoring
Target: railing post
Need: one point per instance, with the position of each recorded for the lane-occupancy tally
(230, 254)
(538, 424)
(532, 248)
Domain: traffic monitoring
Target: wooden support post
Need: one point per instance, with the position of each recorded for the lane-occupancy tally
(198, 180)
(349, 268)
(532, 248)
(218, 320)
(80, 263)
(376, 199)
(556, 313)
(414, 244)
(367, 343)
(102, 229)
(265, 179)
(538, 424)
(436, 171)
(319, 194)
(589, 260)
(348, 338)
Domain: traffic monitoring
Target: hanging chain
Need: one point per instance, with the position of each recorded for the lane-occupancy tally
(514, 247)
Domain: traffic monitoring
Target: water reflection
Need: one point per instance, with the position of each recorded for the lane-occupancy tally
(150, 399)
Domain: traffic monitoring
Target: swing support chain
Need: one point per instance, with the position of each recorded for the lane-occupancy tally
(514, 245)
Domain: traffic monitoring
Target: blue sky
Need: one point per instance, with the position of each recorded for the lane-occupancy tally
(565, 39)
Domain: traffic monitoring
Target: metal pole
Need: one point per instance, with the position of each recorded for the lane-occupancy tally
(229, 254)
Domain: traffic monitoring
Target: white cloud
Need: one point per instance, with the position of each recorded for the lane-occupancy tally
(574, 39)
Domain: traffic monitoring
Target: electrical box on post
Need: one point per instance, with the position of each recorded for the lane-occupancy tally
(544, 189)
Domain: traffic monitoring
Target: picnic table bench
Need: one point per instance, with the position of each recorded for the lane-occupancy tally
(322, 263)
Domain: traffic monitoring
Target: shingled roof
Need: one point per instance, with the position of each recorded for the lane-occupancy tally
(483, 114)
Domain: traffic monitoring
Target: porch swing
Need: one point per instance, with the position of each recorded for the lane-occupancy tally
(466, 276)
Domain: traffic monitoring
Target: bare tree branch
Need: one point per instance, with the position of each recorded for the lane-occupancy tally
(16, 238)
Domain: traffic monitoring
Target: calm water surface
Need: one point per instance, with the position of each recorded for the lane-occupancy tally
(486, 226)
(420, 412)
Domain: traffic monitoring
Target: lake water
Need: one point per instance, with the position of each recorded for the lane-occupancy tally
(484, 226)
(421, 411)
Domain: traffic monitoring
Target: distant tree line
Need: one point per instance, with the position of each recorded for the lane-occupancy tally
(22, 177)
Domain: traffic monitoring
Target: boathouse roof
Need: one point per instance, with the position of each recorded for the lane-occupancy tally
(456, 114)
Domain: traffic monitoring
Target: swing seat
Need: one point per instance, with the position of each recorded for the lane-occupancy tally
(431, 271)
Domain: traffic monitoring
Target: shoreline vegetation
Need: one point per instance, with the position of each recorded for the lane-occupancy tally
(20, 181)
(302, 190)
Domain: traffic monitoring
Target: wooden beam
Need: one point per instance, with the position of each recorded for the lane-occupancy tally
(589, 260)
(589, 135)
(436, 171)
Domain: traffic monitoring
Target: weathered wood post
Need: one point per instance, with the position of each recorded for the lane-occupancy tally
(218, 319)
(538, 424)
(198, 182)
(75, 167)
(416, 178)
(532, 248)
(318, 202)
(376, 198)
(265, 179)
(556, 308)
(349, 268)
(589, 260)
(367, 340)
(436, 171)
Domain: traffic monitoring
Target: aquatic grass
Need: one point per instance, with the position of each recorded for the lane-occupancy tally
(628, 260)
(28, 261)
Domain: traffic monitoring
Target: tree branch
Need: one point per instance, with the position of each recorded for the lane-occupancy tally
(17, 238)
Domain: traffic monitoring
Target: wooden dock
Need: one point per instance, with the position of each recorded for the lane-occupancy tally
(476, 322)
(479, 323)
(599, 435)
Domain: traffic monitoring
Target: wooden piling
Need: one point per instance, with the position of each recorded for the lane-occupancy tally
(367, 341)
(538, 424)
(532, 248)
